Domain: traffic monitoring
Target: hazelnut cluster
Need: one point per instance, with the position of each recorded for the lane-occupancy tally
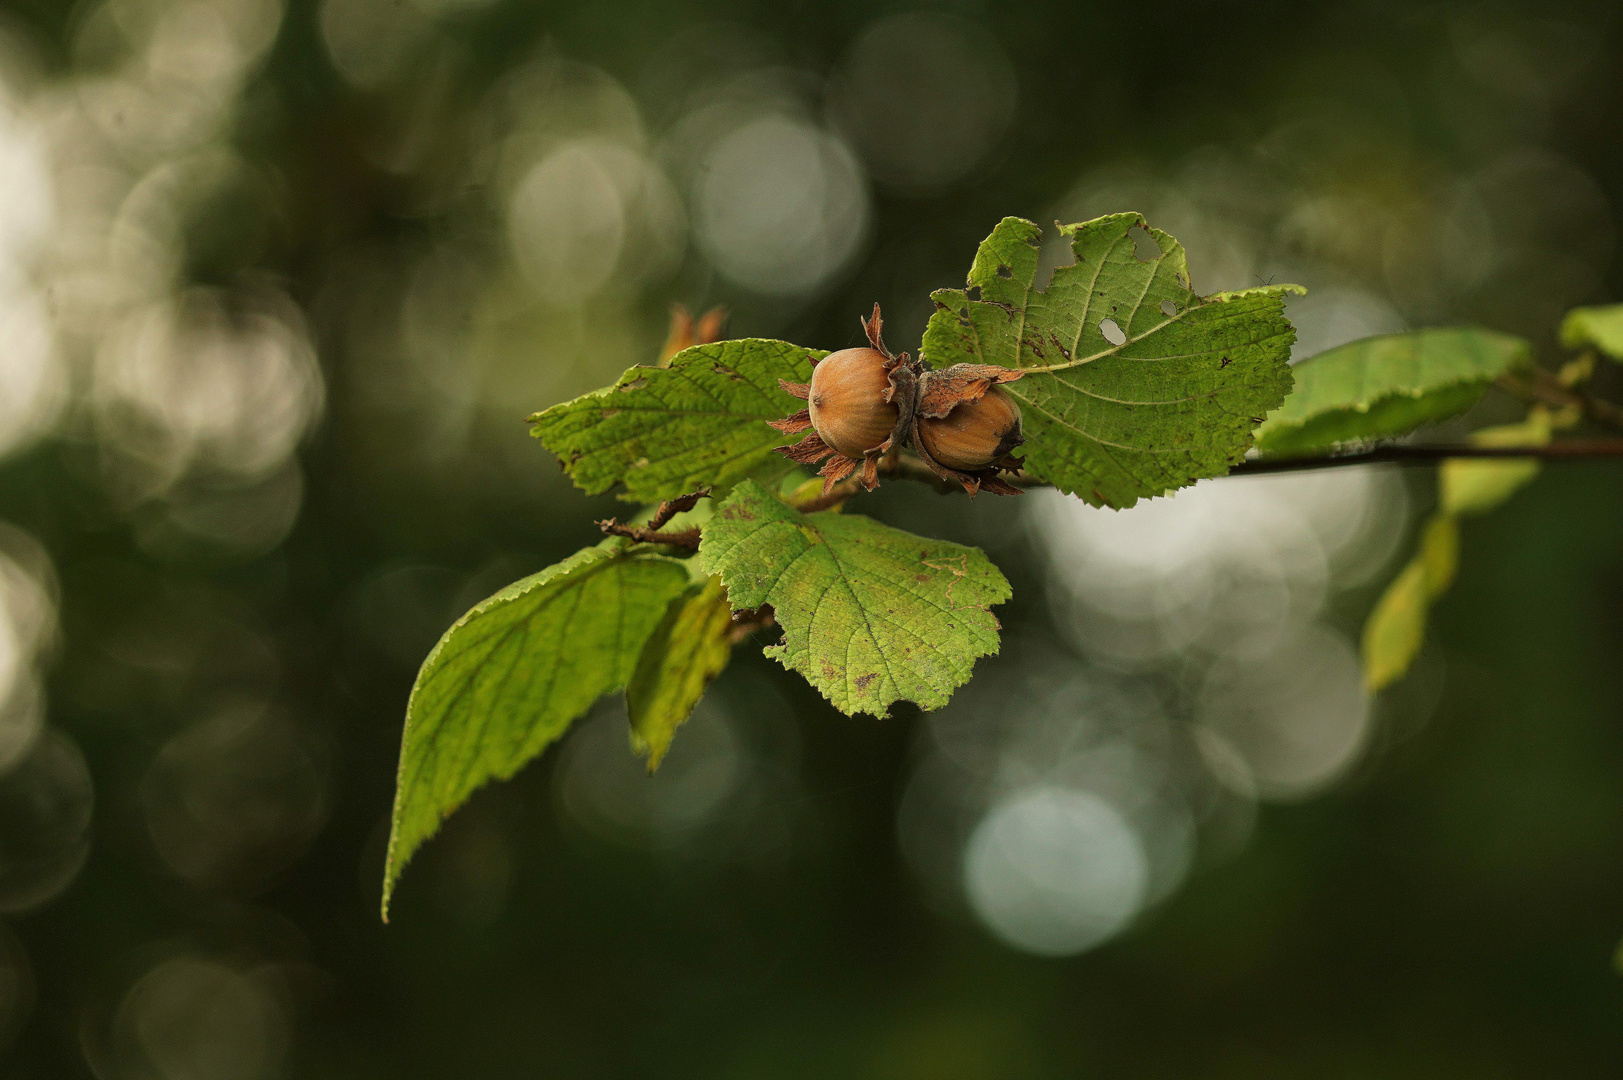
(864, 404)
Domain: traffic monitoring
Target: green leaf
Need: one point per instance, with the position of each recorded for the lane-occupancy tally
(1175, 402)
(870, 614)
(512, 674)
(688, 649)
(1595, 327)
(699, 422)
(1397, 626)
(1477, 485)
(1389, 385)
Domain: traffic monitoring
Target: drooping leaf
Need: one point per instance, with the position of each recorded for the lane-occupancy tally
(1389, 385)
(1175, 401)
(688, 649)
(1477, 485)
(512, 674)
(870, 614)
(1595, 327)
(1397, 626)
(701, 422)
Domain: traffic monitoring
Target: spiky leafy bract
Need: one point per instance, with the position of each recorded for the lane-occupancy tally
(1176, 401)
(689, 648)
(700, 422)
(1389, 385)
(870, 614)
(512, 674)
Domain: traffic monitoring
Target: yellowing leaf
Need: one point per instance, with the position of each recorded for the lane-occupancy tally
(1439, 553)
(1595, 327)
(870, 614)
(688, 649)
(1477, 485)
(1396, 628)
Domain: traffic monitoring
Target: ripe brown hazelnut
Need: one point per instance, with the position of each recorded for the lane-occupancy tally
(848, 403)
(975, 434)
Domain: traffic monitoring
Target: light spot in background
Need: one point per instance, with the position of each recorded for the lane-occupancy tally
(925, 98)
(1292, 706)
(1134, 587)
(224, 385)
(234, 800)
(1037, 719)
(33, 386)
(46, 798)
(1054, 871)
(588, 209)
(605, 788)
(192, 1018)
(780, 206)
(373, 42)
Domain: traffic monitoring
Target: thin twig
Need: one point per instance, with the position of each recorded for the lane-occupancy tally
(1545, 389)
(671, 507)
(1565, 450)
(651, 534)
(642, 534)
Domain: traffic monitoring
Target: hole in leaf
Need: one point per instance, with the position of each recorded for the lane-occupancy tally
(1113, 333)
(1145, 249)
(1168, 308)
(1005, 271)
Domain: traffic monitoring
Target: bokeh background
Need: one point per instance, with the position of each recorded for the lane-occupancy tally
(279, 280)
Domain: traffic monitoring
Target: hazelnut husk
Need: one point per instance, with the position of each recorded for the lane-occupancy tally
(866, 404)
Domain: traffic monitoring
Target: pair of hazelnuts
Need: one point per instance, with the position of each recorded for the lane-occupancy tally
(865, 404)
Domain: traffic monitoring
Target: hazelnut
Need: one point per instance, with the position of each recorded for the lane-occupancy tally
(849, 400)
(975, 434)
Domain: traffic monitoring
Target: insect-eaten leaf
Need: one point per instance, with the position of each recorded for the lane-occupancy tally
(513, 673)
(870, 614)
(688, 649)
(1383, 386)
(700, 422)
(1397, 626)
(1136, 384)
(1595, 328)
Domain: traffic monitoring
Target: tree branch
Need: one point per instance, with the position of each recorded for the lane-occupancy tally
(1564, 450)
(642, 534)
(1543, 388)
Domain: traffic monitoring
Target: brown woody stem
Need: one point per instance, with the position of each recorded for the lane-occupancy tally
(642, 534)
(1543, 388)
